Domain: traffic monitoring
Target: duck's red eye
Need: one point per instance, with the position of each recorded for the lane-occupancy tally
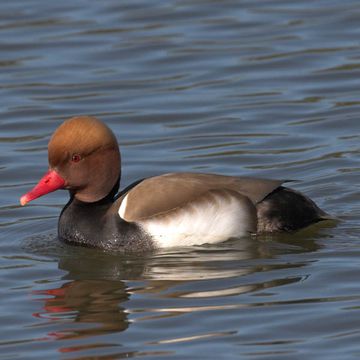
(75, 158)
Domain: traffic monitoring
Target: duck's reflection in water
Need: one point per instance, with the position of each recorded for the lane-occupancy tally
(95, 295)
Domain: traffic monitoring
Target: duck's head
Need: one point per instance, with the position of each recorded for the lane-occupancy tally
(84, 158)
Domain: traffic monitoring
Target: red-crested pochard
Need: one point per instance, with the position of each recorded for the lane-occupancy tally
(175, 209)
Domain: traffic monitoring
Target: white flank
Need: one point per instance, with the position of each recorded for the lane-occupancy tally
(197, 224)
(122, 208)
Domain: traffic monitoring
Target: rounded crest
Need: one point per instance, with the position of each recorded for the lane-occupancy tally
(80, 135)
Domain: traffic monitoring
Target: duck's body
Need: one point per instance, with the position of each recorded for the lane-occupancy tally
(177, 209)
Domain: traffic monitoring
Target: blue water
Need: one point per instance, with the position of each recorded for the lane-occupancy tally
(261, 88)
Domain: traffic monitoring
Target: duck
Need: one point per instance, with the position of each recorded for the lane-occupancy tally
(169, 210)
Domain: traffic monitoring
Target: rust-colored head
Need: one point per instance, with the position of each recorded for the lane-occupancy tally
(83, 152)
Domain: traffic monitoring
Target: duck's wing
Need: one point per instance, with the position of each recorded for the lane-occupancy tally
(161, 194)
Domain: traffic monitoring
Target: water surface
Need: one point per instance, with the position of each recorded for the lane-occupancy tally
(261, 88)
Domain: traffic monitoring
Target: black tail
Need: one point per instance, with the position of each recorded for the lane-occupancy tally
(287, 210)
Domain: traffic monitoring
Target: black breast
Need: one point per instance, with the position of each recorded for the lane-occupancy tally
(98, 225)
